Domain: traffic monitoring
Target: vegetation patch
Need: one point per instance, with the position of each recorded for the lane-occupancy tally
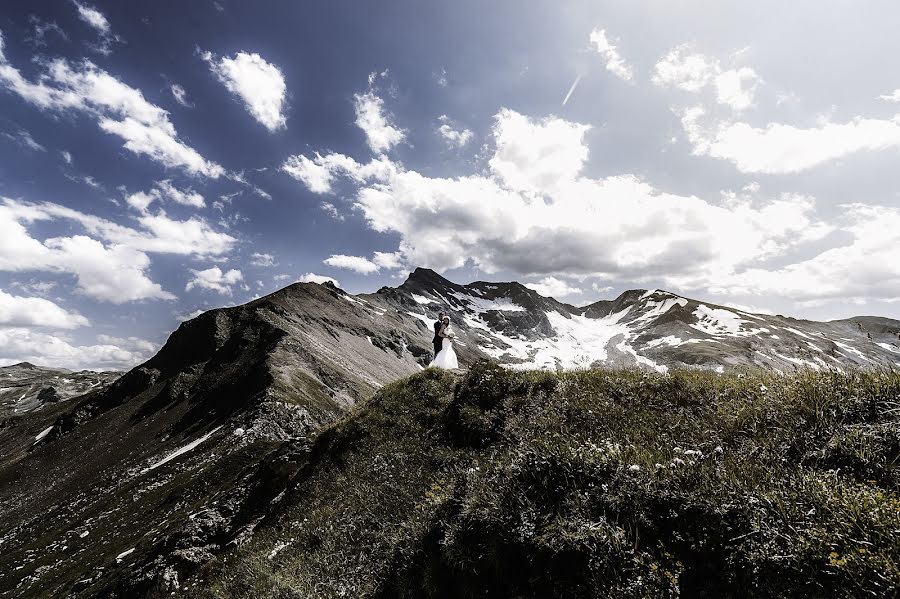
(590, 484)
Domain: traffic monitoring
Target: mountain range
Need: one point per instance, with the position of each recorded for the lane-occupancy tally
(117, 485)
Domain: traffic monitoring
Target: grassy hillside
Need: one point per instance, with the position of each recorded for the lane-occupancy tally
(590, 484)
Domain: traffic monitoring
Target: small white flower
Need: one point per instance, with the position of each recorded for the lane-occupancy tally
(719, 450)
(677, 462)
(763, 388)
(634, 468)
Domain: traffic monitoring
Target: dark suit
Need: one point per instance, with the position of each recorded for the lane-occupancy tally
(437, 338)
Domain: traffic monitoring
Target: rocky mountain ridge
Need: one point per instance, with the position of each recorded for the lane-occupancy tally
(146, 477)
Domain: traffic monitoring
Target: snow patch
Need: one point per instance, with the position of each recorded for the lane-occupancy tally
(720, 322)
(42, 434)
(181, 450)
(428, 322)
(421, 299)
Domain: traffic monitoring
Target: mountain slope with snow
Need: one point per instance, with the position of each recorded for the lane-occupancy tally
(651, 329)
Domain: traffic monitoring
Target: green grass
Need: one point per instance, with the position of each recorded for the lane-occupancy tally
(591, 484)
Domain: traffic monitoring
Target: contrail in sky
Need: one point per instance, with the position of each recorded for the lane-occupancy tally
(571, 90)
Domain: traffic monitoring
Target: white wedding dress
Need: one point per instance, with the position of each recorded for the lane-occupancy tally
(446, 358)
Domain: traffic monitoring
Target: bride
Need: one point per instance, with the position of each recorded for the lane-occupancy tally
(447, 357)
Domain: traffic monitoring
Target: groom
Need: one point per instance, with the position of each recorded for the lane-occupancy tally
(437, 334)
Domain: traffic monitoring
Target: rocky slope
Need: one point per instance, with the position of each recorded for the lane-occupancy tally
(650, 329)
(137, 482)
(25, 387)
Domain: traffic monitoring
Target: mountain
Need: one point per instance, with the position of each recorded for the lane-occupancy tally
(155, 473)
(650, 329)
(25, 387)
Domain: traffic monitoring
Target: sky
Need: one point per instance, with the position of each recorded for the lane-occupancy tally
(158, 159)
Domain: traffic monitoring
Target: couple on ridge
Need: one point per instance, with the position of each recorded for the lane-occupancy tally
(444, 356)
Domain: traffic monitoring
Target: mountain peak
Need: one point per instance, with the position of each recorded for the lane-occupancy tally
(427, 278)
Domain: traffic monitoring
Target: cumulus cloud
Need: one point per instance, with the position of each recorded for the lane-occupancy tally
(692, 72)
(35, 311)
(358, 264)
(455, 138)
(381, 134)
(553, 287)
(314, 278)
(214, 279)
(867, 266)
(259, 84)
(615, 64)
(19, 344)
(110, 266)
(258, 259)
(892, 97)
(780, 148)
(318, 173)
(535, 213)
(536, 156)
(118, 109)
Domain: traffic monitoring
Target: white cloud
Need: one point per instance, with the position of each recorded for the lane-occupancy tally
(92, 17)
(179, 94)
(314, 278)
(389, 260)
(98, 21)
(67, 156)
(553, 287)
(454, 138)
(316, 176)
(779, 148)
(129, 343)
(692, 72)
(544, 217)
(21, 344)
(258, 259)
(867, 266)
(615, 64)
(331, 210)
(35, 311)
(185, 198)
(381, 134)
(355, 263)
(319, 173)
(892, 97)
(258, 83)
(686, 71)
(119, 109)
(215, 280)
(113, 269)
(141, 200)
(24, 139)
(736, 88)
(536, 156)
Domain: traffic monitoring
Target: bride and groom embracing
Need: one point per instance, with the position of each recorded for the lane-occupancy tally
(444, 356)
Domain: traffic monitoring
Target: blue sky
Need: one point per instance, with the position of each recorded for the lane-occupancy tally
(160, 158)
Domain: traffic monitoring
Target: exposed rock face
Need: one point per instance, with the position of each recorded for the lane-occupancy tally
(180, 456)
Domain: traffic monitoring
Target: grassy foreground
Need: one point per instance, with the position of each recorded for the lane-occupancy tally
(591, 484)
